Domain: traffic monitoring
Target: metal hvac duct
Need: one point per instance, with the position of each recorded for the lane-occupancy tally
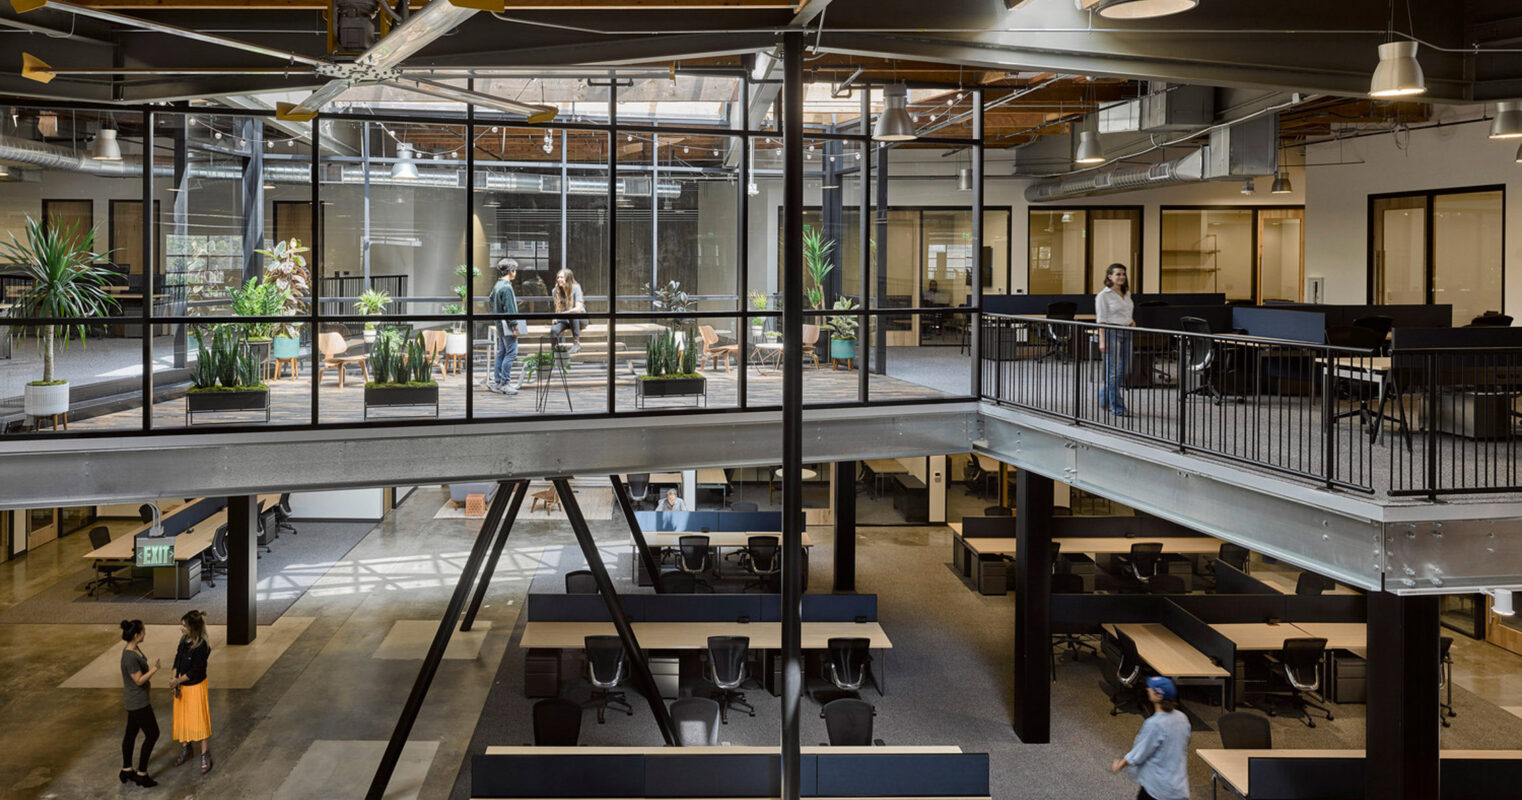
(1187, 169)
(46, 156)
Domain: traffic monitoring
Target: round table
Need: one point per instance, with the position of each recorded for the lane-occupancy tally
(805, 473)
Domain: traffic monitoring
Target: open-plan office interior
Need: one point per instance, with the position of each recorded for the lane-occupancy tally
(474, 399)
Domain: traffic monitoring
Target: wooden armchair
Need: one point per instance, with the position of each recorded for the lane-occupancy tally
(713, 351)
(810, 339)
(332, 345)
(433, 344)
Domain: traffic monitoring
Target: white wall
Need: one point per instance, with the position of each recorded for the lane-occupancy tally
(367, 504)
(1337, 225)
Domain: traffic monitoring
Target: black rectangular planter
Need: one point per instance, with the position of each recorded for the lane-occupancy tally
(233, 400)
(670, 387)
(379, 396)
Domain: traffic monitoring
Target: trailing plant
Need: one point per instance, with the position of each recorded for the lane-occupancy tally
(466, 274)
(65, 282)
(287, 271)
(842, 327)
(371, 303)
(225, 364)
(398, 360)
(816, 262)
(255, 299)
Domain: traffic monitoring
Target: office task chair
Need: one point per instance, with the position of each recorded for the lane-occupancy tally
(727, 670)
(762, 558)
(580, 582)
(846, 662)
(557, 723)
(1074, 643)
(1381, 325)
(214, 559)
(696, 720)
(105, 571)
(1369, 343)
(743, 505)
(639, 487)
(694, 556)
(848, 721)
(674, 582)
(1490, 319)
(1057, 337)
(1142, 562)
(1445, 662)
(283, 514)
(998, 511)
(1244, 730)
(1309, 583)
(1206, 362)
(1128, 674)
(269, 527)
(1298, 663)
(605, 670)
(1234, 554)
(1166, 584)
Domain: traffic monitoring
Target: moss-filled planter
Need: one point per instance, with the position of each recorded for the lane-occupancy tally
(409, 394)
(238, 398)
(670, 386)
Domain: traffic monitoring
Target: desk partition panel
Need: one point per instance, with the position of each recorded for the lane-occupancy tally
(1169, 317)
(717, 775)
(557, 776)
(1199, 634)
(1089, 611)
(1305, 778)
(1139, 527)
(699, 607)
(696, 521)
(988, 527)
(1280, 323)
(904, 775)
(1326, 608)
(1223, 608)
(1230, 580)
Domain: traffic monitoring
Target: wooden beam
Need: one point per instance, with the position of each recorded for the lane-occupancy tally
(516, 5)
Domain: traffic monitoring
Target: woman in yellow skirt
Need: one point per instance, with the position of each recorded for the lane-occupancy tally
(192, 707)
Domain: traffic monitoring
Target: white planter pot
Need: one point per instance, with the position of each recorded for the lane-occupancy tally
(370, 336)
(456, 344)
(45, 401)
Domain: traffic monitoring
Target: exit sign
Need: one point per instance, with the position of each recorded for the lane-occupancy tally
(155, 551)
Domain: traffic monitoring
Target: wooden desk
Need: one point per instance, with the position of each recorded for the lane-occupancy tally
(188, 547)
(694, 635)
(705, 477)
(721, 750)
(1167, 653)
(1284, 583)
(1338, 635)
(1182, 545)
(1258, 636)
(887, 466)
(715, 538)
(1231, 766)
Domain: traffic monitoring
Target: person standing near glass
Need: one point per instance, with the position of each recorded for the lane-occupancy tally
(568, 300)
(136, 675)
(192, 706)
(504, 300)
(1113, 306)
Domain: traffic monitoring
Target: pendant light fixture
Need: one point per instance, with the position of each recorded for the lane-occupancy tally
(104, 147)
(1090, 151)
(1507, 123)
(1398, 73)
(404, 167)
(894, 124)
(1136, 9)
(1281, 184)
(1519, 154)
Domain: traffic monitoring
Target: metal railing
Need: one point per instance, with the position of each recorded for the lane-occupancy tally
(1418, 423)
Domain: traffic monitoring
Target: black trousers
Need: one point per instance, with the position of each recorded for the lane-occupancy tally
(1141, 794)
(141, 719)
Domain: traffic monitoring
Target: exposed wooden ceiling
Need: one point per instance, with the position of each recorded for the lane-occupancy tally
(513, 5)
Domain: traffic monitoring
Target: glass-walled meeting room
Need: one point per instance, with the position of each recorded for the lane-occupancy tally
(323, 247)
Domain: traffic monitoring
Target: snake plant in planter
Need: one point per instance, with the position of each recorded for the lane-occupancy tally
(65, 282)
(401, 373)
(225, 376)
(842, 328)
(670, 371)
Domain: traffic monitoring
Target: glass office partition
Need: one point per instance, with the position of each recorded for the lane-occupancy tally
(1400, 249)
(1439, 247)
(1070, 248)
(1208, 250)
(1281, 254)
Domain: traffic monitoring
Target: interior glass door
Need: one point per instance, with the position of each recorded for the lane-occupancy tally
(1466, 253)
(1400, 250)
(1114, 238)
(1281, 254)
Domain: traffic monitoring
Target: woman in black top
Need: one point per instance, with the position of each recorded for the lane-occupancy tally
(140, 717)
(192, 708)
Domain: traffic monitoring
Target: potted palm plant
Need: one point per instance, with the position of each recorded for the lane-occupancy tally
(816, 261)
(670, 371)
(401, 373)
(225, 376)
(456, 343)
(287, 271)
(371, 303)
(66, 283)
(758, 302)
(842, 328)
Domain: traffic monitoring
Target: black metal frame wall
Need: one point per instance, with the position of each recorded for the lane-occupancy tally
(1137, 271)
(1257, 210)
(314, 318)
(1429, 254)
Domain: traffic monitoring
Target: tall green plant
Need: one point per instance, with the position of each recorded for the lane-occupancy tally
(397, 359)
(287, 271)
(371, 303)
(816, 262)
(664, 356)
(843, 327)
(671, 299)
(224, 361)
(255, 299)
(65, 281)
(467, 274)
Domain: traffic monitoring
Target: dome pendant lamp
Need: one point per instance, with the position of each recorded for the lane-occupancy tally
(404, 167)
(1136, 9)
(104, 147)
(1507, 123)
(894, 124)
(1398, 74)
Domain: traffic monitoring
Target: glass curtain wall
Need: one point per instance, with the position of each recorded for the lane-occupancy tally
(1070, 248)
(1439, 247)
(1246, 253)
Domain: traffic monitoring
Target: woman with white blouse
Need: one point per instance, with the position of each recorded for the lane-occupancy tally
(1113, 306)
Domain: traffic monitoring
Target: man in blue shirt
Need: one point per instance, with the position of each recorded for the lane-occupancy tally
(1161, 747)
(505, 301)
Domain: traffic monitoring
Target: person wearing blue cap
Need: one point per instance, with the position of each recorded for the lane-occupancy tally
(1161, 748)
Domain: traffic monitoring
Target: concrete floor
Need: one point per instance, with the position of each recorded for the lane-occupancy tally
(314, 715)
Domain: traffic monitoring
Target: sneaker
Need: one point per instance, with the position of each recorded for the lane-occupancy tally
(489, 385)
(575, 348)
(507, 389)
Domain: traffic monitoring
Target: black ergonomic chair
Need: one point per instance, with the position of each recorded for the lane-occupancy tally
(1379, 324)
(848, 721)
(605, 671)
(743, 505)
(694, 556)
(998, 511)
(105, 571)
(283, 514)
(580, 582)
(214, 559)
(846, 662)
(1128, 675)
(762, 557)
(1234, 554)
(696, 720)
(1369, 344)
(1299, 664)
(639, 487)
(1244, 730)
(1490, 319)
(1309, 583)
(1206, 361)
(1166, 584)
(1445, 664)
(1057, 337)
(268, 529)
(727, 669)
(1073, 643)
(673, 582)
(557, 723)
(1142, 562)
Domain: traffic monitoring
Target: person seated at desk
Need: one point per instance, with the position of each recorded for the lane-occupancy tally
(671, 502)
(568, 300)
(933, 296)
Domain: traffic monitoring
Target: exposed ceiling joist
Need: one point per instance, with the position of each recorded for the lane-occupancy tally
(515, 5)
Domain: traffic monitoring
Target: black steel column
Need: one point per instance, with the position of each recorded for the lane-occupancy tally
(315, 267)
(845, 526)
(637, 661)
(1402, 726)
(865, 344)
(613, 241)
(652, 566)
(252, 133)
(880, 341)
(181, 211)
(470, 299)
(440, 643)
(792, 412)
(242, 568)
(496, 553)
(150, 229)
(976, 301)
(1033, 607)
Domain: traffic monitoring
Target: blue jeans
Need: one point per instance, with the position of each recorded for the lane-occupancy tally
(1117, 364)
(507, 357)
